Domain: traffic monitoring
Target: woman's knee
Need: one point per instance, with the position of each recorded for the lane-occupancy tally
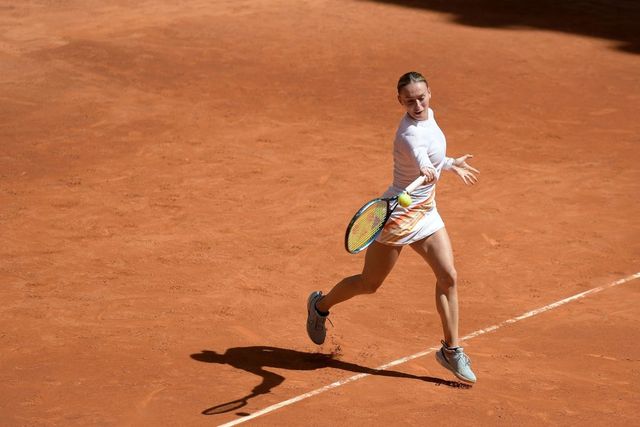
(369, 285)
(448, 278)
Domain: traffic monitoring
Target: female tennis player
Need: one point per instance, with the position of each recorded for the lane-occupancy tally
(419, 149)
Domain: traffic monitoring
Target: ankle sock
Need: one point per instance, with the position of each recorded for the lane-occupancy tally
(446, 347)
(321, 313)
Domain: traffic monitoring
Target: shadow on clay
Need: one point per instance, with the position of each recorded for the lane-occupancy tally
(255, 359)
(615, 20)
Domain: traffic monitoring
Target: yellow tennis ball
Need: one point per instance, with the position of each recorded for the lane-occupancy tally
(404, 199)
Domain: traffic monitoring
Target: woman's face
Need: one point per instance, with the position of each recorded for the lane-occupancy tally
(414, 97)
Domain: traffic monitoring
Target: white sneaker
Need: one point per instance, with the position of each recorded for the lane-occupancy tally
(315, 321)
(454, 359)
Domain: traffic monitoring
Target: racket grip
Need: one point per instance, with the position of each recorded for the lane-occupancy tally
(415, 184)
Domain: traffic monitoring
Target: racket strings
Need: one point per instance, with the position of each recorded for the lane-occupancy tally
(366, 226)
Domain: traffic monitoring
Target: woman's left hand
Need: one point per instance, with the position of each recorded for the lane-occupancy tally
(464, 171)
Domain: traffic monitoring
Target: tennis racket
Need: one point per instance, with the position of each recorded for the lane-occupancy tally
(370, 219)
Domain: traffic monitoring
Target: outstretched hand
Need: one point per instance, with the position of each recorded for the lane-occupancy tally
(464, 171)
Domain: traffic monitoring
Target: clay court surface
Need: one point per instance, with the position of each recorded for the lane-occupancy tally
(176, 177)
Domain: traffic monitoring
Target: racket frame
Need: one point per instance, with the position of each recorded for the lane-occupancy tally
(392, 203)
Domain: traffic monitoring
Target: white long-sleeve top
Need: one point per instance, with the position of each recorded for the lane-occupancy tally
(418, 145)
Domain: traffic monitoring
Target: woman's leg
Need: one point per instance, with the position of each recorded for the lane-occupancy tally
(436, 250)
(378, 263)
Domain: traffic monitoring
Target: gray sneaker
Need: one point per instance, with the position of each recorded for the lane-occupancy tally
(315, 321)
(454, 359)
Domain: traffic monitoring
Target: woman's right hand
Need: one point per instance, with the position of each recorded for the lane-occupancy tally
(429, 174)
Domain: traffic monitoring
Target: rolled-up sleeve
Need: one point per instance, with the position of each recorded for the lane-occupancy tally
(448, 163)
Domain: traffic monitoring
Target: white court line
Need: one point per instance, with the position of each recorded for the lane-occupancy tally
(430, 350)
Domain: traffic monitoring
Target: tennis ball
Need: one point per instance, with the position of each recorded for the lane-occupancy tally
(404, 199)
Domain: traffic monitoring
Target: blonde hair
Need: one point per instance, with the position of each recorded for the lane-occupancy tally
(411, 77)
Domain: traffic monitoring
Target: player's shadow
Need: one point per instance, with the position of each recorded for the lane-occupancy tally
(617, 20)
(256, 359)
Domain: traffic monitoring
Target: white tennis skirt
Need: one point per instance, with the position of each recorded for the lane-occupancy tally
(415, 222)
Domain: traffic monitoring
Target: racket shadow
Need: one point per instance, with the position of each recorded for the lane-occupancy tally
(255, 359)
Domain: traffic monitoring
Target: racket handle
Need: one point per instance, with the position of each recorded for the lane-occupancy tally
(415, 184)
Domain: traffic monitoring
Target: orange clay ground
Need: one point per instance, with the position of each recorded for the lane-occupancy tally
(176, 177)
